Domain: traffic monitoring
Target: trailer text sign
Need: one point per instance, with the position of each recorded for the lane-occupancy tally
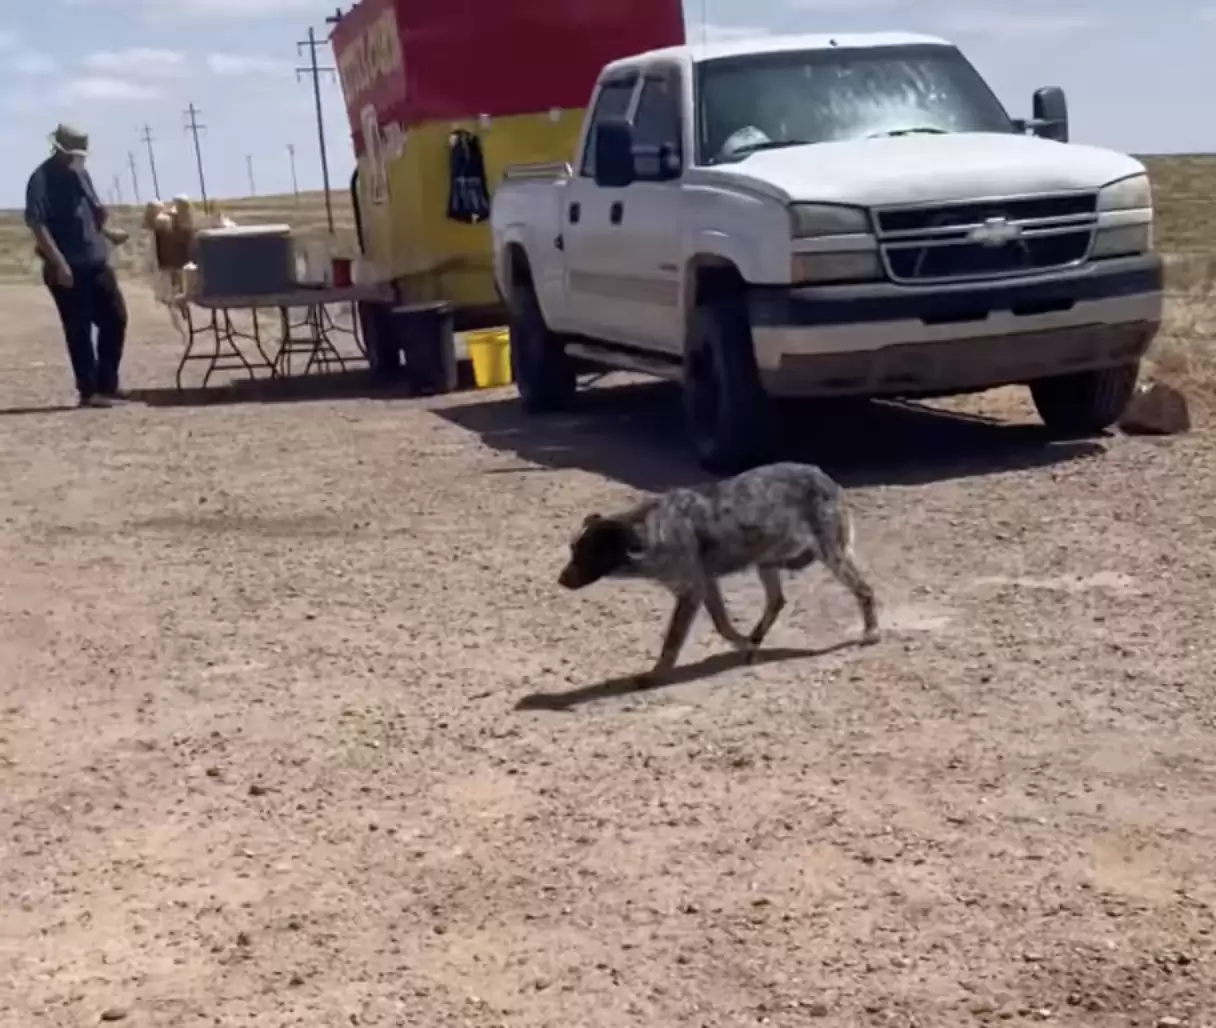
(370, 65)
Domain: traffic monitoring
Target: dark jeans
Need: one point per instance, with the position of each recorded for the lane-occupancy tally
(93, 298)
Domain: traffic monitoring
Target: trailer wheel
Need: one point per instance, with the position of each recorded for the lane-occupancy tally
(1086, 402)
(544, 375)
(728, 413)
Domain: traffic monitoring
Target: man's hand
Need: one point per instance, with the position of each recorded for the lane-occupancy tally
(62, 273)
(117, 236)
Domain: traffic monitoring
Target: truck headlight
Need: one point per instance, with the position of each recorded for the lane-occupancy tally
(811, 220)
(1122, 240)
(1128, 194)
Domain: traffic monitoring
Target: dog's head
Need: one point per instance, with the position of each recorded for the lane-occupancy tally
(603, 547)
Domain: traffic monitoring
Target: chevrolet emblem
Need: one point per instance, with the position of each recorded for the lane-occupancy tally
(994, 232)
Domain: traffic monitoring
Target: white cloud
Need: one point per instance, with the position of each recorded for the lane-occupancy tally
(713, 33)
(1010, 25)
(139, 61)
(168, 10)
(104, 89)
(33, 63)
(840, 5)
(247, 64)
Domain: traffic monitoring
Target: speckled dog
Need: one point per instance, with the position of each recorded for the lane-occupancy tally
(773, 518)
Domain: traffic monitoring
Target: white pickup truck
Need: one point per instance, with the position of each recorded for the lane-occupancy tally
(820, 216)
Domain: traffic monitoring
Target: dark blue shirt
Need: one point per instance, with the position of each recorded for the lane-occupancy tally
(62, 198)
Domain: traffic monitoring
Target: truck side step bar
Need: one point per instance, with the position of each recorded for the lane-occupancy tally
(627, 359)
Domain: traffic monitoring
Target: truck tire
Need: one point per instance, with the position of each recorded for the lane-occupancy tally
(728, 413)
(1086, 402)
(544, 375)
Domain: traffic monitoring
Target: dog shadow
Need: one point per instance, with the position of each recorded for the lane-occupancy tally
(627, 685)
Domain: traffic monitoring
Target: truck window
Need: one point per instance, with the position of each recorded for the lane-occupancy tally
(612, 102)
(817, 96)
(656, 122)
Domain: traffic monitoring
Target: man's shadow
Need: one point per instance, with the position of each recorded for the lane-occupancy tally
(627, 685)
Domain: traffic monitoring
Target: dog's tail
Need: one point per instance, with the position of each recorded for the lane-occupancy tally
(827, 505)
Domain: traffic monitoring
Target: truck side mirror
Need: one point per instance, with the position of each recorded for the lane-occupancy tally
(1050, 114)
(614, 168)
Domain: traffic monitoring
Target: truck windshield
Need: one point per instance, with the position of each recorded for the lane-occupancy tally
(763, 101)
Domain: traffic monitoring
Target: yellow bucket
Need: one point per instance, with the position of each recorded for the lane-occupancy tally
(490, 352)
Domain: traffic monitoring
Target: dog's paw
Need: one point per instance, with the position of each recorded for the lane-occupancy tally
(646, 680)
(871, 636)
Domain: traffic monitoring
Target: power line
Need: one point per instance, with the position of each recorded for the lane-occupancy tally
(315, 71)
(194, 128)
(253, 189)
(295, 182)
(134, 174)
(147, 139)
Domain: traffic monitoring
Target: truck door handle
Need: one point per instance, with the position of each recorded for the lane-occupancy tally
(616, 212)
(575, 210)
(560, 243)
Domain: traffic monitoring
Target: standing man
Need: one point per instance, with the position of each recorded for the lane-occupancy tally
(70, 234)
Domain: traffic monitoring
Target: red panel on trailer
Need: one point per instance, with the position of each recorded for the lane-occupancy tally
(457, 59)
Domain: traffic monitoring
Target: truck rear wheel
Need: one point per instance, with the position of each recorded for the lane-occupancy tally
(1086, 402)
(728, 413)
(544, 375)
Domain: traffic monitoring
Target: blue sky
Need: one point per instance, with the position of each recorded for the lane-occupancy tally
(1133, 72)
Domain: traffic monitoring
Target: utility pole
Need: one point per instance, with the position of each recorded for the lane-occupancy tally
(134, 174)
(118, 189)
(295, 182)
(253, 189)
(147, 139)
(315, 71)
(194, 128)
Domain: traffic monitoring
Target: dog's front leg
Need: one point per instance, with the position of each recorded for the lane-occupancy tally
(774, 604)
(678, 627)
(716, 605)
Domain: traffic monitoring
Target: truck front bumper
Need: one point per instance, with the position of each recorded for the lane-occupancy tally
(889, 340)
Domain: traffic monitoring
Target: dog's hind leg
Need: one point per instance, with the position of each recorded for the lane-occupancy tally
(678, 627)
(844, 567)
(774, 604)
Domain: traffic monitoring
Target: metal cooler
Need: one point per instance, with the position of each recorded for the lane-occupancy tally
(246, 260)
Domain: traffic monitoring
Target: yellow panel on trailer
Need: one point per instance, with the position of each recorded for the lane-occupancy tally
(407, 231)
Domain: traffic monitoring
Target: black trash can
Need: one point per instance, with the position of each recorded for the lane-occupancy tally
(426, 336)
(381, 340)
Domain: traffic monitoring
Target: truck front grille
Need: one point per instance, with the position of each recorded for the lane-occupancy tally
(986, 239)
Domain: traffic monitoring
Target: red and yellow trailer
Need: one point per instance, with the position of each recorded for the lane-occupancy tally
(515, 75)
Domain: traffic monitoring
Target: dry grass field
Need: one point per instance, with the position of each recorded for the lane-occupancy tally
(297, 728)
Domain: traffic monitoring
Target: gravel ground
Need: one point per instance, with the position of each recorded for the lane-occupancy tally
(296, 727)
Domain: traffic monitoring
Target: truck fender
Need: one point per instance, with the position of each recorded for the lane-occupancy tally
(512, 263)
(717, 260)
(511, 250)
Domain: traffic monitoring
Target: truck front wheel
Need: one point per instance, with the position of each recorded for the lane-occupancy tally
(1086, 402)
(544, 375)
(726, 408)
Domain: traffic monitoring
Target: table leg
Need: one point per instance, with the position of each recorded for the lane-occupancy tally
(227, 337)
(257, 341)
(191, 332)
(323, 349)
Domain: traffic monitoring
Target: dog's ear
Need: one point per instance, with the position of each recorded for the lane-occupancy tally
(592, 519)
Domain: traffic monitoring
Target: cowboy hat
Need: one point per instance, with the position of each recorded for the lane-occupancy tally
(70, 141)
